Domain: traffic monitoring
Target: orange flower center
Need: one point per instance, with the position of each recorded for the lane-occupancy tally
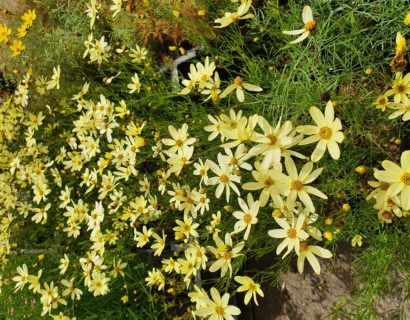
(310, 26)
(272, 138)
(325, 133)
(384, 186)
(247, 218)
(219, 310)
(268, 182)
(292, 233)
(238, 81)
(405, 178)
(303, 246)
(224, 178)
(296, 185)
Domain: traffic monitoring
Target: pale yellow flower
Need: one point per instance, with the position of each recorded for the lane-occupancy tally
(247, 217)
(298, 184)
(239, 85)
(400, 88)
(309, 253)
(398, 177)
(135, 85)
(327, 132)
(292, 234)
(309, 27)
(357, 240)
(240, 14)
(251, 288)
(217, 308)
(402, 109)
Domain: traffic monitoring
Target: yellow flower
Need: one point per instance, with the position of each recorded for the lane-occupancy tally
(55, 79)
(327, 132)
(309, 252)
(298, 184)
(292, 234)
(28, 17)
(361, 169)
(346, 207)
(22, 279)
(135, 85)
(309, 27)
(400, 87)
(402, 109)
(251, 288)
(4, 33)
(17, 48)
(239, 84)
(398, 177)
(407, 19)
(22, 31)
(217, 308)
(382, 102)
(240, 14)
(328, 235)
(400, 44)
(357, 240)
(247, 217)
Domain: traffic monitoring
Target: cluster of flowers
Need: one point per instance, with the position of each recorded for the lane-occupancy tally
(17, 47)
(392, 188)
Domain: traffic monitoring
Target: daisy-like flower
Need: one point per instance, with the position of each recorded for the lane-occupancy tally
(237, 160)
(398, 177)
(292, 234)
(240, 14)
(201, 169)
(212, 88)
(190, 84)
(186, 228)
(55, 79)
(309, 253)
(251, 288)
(180, 139)
(382, 102)
(239, 85)
(135, 85)
(308, 28)
(205, 72)
(159, 244)
(116, 7)
(142, 238)
(225, 178)
(215, 128)
(28, 17)
(247, 217)
(4, 33)
(99, 284)
(224, 252)
(400, 88)
(22, 278)
(138, 54)
(64, 263)
(327, 132)
(92, 11)
(217, 308)
(17, 48)
(298, 184)
(402, 109)
(272, 141)
(271, 181)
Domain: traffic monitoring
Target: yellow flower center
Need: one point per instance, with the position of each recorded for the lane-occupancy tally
(234, 124)
(247, 218)
(382, 101)
(219, 310)
(223, 178)
(325, 133)
(296, 185)
(292, 233)
(238, 81)
(310, 26)
(303, 246)
(405, 178)
(202, 172)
